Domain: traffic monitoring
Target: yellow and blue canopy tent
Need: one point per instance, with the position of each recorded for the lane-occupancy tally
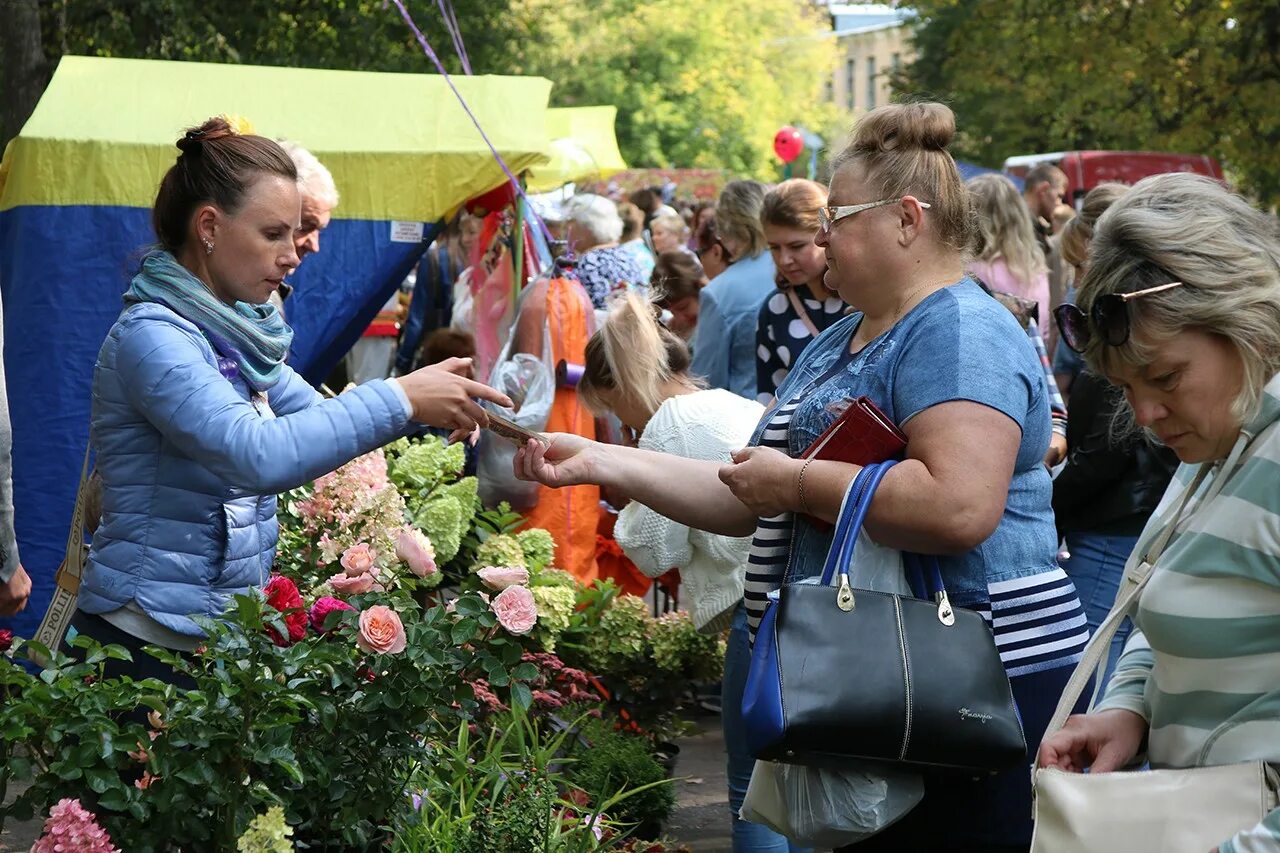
(583, 147)
(77, 184)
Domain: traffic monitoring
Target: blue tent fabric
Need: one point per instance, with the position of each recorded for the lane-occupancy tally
(972, 170)
(63, 271)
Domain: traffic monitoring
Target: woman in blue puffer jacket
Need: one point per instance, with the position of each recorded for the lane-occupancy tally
(197, 420)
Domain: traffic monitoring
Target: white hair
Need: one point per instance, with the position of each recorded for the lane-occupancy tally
(314, 179)
(596, 214)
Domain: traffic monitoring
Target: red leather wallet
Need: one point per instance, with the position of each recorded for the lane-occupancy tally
(861, 435)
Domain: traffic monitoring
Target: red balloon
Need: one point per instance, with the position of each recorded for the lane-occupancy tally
(788, 143)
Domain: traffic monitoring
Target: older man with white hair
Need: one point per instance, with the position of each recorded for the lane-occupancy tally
(604, 267)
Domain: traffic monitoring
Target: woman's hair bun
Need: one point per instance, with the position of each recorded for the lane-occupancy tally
(927, 126)
(215, 128)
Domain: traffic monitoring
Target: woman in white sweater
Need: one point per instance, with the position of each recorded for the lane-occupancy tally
(638, 369)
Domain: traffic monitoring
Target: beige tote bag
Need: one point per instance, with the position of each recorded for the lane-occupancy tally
(1151, 811)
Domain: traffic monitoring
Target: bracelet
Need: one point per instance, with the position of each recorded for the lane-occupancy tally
(804, 504)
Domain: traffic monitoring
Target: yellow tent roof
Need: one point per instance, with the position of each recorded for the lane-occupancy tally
(399, 146)
(582, 146)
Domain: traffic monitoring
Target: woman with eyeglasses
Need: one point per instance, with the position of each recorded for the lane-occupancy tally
(952, 368)
(1180, 309)
(1106, 492)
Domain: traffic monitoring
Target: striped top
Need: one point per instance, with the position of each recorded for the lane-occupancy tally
(1203, 668)
(1037, 620)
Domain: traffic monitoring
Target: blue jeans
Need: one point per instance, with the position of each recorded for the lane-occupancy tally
(1096, 567)
(747, 837)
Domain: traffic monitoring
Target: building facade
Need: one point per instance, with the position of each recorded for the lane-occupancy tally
(873, 41)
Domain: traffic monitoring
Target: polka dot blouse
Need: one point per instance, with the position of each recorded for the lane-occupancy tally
(781, 335)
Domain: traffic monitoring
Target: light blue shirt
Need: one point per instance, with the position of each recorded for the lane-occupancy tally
(724, 345)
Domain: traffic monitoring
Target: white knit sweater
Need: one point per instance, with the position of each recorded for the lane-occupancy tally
(708, 425)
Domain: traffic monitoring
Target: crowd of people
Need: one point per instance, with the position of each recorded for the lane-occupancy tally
(1061, 376)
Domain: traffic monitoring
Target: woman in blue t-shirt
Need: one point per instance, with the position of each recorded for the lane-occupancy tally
(952, 368)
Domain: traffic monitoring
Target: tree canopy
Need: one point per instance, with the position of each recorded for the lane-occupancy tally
(1192, 76)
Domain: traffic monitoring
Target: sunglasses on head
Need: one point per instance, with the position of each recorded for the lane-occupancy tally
(1108, 318)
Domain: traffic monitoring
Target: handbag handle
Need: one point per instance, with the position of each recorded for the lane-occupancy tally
(928, 580)
(1136, 575)
(853, 512)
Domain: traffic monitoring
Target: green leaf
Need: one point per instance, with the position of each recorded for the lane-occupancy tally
(99, 780)
(521, 696)
(525, 672)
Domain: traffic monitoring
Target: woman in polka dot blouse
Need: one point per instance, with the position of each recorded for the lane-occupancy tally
(802, 307)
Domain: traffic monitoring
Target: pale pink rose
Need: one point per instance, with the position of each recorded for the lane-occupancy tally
(381, 631)
(501, 577)
(415, 551)
(343, 585)
(358, 560)
(515, 609)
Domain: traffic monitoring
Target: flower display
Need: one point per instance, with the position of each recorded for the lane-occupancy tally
(6, 640)
(343, 585)
(500, 550)
(500, 577)
(555, 609)
(414, 549)
(282, 594)
(267, 833)
(70, 827)
(322, 608)
(358, 560)
(538, 547)
(515, 609)
(381, 631)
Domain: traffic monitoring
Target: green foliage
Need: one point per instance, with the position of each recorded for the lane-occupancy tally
(267, 833)
(1192, 76)
(555, 612)
(499, 550)
(682, 652)
(615, 759)
(538, 547)
(696, 84)
(322, 729)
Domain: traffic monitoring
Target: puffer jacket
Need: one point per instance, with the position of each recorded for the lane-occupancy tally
(191, 462)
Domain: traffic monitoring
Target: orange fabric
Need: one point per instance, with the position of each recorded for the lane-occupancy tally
(614, 564)
(570, 514)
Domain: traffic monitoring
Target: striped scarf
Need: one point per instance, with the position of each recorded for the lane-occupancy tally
(255, 337)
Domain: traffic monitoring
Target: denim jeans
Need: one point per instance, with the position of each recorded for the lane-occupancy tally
(747, 837)
(1096, 566)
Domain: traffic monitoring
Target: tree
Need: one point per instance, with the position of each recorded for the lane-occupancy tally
(1194, 76)
(696, 84)
(23, 70)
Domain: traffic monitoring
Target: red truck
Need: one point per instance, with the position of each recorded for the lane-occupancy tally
(1086, 169)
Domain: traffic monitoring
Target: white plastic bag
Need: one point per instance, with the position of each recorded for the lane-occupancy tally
(530, 383)
(820, 807)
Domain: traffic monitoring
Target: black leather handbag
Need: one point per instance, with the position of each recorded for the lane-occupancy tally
(841, 674)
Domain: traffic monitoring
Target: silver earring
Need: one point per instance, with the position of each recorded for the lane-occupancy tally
(208, 245)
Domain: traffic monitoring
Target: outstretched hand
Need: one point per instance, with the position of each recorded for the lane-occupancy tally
(441, 396)
(566, 461)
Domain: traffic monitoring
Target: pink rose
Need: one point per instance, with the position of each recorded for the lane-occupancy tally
(323, 607)
(344, 585)
(501, 577)
(358, 560)
(415, 551)
(515, 609)
(381, 631)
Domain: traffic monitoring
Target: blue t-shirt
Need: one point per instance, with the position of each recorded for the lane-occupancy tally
(724, 342)
(957, 344)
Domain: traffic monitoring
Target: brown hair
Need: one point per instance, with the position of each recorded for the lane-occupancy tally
(634, 353)
(217, 165)
(676, 275)
(794, 204)
(1077, 233)
(632, 221)
(1045, 173)
(448, 343)
(903, 149)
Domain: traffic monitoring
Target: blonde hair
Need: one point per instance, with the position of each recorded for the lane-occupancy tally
(1188, 228)
(903, 149)
(1079, 231)
(672, 222)
(632, 354)
(1004, 227)
(738, 215)
(794, 204)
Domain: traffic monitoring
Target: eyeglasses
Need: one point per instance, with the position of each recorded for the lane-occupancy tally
(831, 214)
(1108, 317)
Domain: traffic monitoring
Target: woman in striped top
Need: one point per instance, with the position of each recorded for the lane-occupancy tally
(952, 367)
(1198, 357)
